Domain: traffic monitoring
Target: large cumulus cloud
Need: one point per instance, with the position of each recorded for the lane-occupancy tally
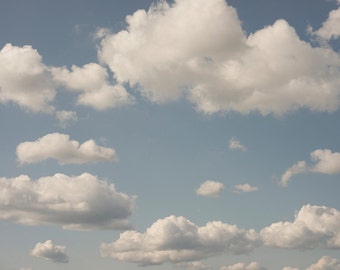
(197, 49)
(176, 240)
(313, 227)
(74, 202)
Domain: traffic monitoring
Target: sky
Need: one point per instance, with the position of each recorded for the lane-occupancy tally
(191, 134)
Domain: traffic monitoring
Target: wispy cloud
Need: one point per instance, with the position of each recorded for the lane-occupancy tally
(243, 266)
(325, 162)
(235, 144)
(65, 117)
(245, 188)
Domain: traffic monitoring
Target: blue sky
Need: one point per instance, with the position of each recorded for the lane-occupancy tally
(189, 134)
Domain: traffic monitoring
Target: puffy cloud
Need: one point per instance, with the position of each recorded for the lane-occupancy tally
(243, 266)
(210, 189)
(51, 252)
(91, 81)
(60, 147)
(234, 143)
(64, 117)
(245, 188)
(299, 167)
(24, 79)
(325, 160)
(79, 202)
(326, 263)
(176, 240)
(313, 227)
(197, 49)
(330, 29)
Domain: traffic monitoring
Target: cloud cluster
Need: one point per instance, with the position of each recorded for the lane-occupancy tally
(24, 79)
(91, 82)
(59, 147)
(210, 189)
(234, 144)
(79, 202)
(243, 266)
(176, 239)
(51, 252)
(325, 161)
(197, 49)
(313, 227)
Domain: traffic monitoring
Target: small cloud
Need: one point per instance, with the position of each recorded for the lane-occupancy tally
(326, 162)
(243, 266)
(235, 144)
(195, 265)
(65, 117)
(210, 189)
(298, 168)
(66, 151)
(245, 188)
(50, 252)
(326, 263)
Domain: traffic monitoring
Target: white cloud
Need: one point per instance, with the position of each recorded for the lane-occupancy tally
(24, 79)
(75, 202)
(59, 147)
(326, 263)
(91, 81)
(234, 144)
(51, 252)
(313, 227)
(210, 189)
(298, 168)
(290, 268)
(243, 266)
(325, 160)
(197, 49)
(64, 117)
(330, 29)
(176, 240)
(245, 188)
